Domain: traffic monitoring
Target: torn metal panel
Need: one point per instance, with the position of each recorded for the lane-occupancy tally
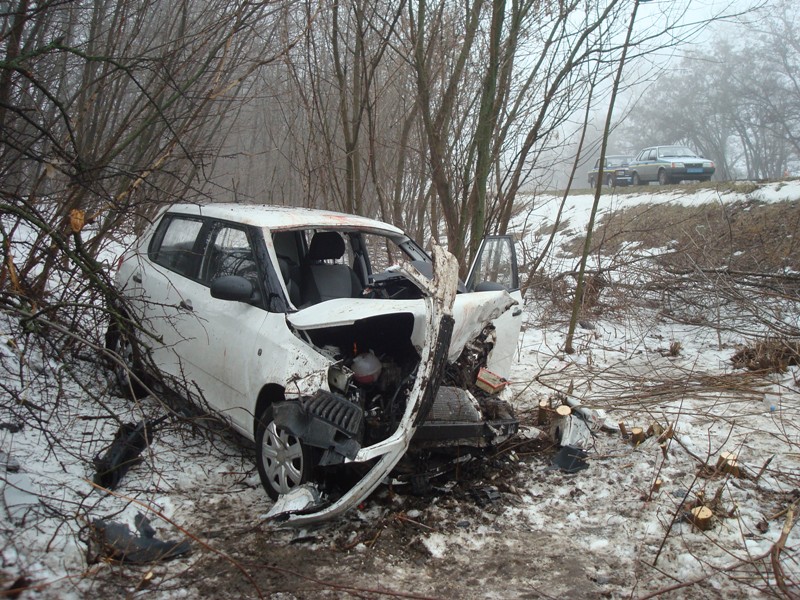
(439, 305)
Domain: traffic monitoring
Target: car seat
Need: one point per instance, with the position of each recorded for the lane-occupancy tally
(323, 281)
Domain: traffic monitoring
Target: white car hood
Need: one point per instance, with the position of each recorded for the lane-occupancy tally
(471, 311)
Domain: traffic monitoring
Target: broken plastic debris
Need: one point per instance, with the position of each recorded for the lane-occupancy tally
(118, 543)
(129, 442)
(8, 463)
(20, 496)
(570, 459)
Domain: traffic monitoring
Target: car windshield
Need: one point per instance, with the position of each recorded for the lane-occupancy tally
(618, 161)
(675, 151)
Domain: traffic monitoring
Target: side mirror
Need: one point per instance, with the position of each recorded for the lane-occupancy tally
(234, 288)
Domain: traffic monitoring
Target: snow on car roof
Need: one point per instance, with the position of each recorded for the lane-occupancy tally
(282, 217)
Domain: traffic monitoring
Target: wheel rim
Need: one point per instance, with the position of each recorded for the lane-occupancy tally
(282, 456)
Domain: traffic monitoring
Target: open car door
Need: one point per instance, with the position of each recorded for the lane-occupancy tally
(495, 268)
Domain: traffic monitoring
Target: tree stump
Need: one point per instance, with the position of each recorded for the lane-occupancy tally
(637, 435)
(701, 517)
(655, 429)
(545, 414)
(665, 435)
(563, 411)
(728, 462)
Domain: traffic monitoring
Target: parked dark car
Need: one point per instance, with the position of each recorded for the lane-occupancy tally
(670, 164)
(615, 172)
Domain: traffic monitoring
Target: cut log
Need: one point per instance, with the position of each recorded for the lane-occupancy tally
(701, 517)
(637, 435)
(623, 430)
(656, 486)
(563, 411)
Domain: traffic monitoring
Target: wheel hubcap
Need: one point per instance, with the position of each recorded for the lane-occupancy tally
(283, 458)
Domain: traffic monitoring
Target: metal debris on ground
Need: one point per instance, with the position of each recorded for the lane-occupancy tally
(117, 542)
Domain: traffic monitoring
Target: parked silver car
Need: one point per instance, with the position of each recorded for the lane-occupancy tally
(670, 164)
(328, 339)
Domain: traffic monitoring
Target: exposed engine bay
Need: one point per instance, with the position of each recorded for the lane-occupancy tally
(383, 388)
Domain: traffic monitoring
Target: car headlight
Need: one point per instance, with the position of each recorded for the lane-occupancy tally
(307, 385)
(677, 165)
(708, 164)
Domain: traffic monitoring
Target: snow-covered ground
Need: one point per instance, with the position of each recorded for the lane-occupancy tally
(518, 528)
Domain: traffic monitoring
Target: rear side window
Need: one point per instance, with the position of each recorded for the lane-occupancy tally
(175, 245)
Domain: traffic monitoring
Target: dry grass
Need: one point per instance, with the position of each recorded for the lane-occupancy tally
(769, 355)
(742, 236)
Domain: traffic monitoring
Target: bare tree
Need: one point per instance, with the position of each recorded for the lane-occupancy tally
(108, 111)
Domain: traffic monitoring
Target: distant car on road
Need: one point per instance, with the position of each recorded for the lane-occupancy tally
(615, 172)
(670, 164)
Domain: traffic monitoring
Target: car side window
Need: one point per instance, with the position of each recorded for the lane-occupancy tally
(230, 253)
(175, 245)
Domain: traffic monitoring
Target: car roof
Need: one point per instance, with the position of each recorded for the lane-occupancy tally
(666, 146)
(282, 217)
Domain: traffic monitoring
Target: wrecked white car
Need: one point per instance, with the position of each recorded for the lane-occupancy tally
(335, 342)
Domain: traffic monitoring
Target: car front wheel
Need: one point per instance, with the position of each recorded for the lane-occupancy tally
(635, 179)
(610, 181)
(592, 182)
(283, 461)
(663, 179)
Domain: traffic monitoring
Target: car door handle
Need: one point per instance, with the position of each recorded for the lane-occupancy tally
(186, 305)
(137, 278)
(516, 312)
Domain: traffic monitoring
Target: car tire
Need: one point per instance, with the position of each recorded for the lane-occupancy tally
(283, 461)
(635, 179)
(592, 182)
(663, 178)
(127, 367)
(610, 181)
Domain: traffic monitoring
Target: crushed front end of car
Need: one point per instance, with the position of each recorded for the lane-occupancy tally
(407, 386)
